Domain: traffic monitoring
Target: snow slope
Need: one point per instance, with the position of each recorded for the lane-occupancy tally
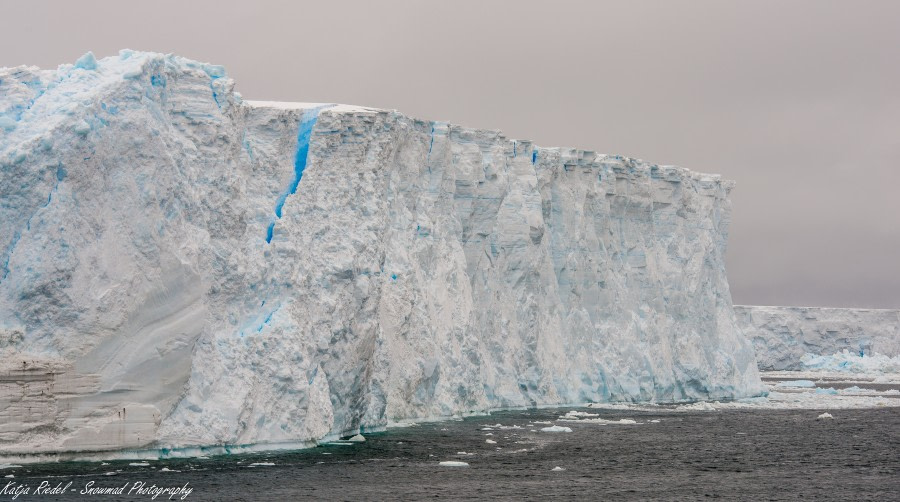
(782, 336)
(181, 268)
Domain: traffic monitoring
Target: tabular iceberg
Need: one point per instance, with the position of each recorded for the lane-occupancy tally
(179, 267)
(781, 336)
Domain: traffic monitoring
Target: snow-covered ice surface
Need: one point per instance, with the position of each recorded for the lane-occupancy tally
(781, 336)
(180, 269)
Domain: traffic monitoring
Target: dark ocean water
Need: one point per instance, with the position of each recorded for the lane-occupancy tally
(732, 455)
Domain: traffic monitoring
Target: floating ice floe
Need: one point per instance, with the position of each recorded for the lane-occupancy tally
(262, 464)
(701, 406)
(576, 413)
(556, 428)
(139, 464)
(453, 463)
(557, 469)
(825, 416)
(593, 418)
(490, 441)
(357, 439)
(805, 384)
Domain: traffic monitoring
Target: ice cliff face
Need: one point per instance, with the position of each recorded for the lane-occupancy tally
(783, 335)
(179, 267)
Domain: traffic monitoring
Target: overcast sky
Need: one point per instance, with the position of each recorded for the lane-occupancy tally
(798, 101)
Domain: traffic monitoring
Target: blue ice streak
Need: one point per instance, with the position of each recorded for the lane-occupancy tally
(306, 126)
(307, 123)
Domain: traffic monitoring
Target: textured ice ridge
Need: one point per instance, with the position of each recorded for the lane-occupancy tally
(183, 269)
(782, 336)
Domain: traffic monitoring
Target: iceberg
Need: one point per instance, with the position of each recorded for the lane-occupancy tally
(783, 336)
(182, 270)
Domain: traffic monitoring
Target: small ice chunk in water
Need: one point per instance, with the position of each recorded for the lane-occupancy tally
(358, 439)
(139, 464)
(557, 469)
(556, 428)
(453, 463)
(490, 441)
(654, 421)
(262, 464)
(9, 476)
(825, 416)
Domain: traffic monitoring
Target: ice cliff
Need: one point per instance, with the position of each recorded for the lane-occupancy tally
(179, 267)
(781, 336)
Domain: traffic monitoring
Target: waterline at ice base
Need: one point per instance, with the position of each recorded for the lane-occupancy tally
(181, 269)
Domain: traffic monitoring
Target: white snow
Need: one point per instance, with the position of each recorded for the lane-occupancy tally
(258, 273)
(824, 416)
(453, 463)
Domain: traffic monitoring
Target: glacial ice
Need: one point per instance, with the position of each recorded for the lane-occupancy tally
(186, 272)
(845, 361)
(782, 336)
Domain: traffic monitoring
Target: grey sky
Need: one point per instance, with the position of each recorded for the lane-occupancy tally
(798, 101)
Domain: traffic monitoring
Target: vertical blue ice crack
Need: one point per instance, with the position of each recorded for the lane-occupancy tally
(431, 145)
(534, 156)
(307, 123)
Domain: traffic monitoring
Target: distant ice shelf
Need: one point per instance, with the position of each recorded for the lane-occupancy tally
(783, 336)
(181, 269)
